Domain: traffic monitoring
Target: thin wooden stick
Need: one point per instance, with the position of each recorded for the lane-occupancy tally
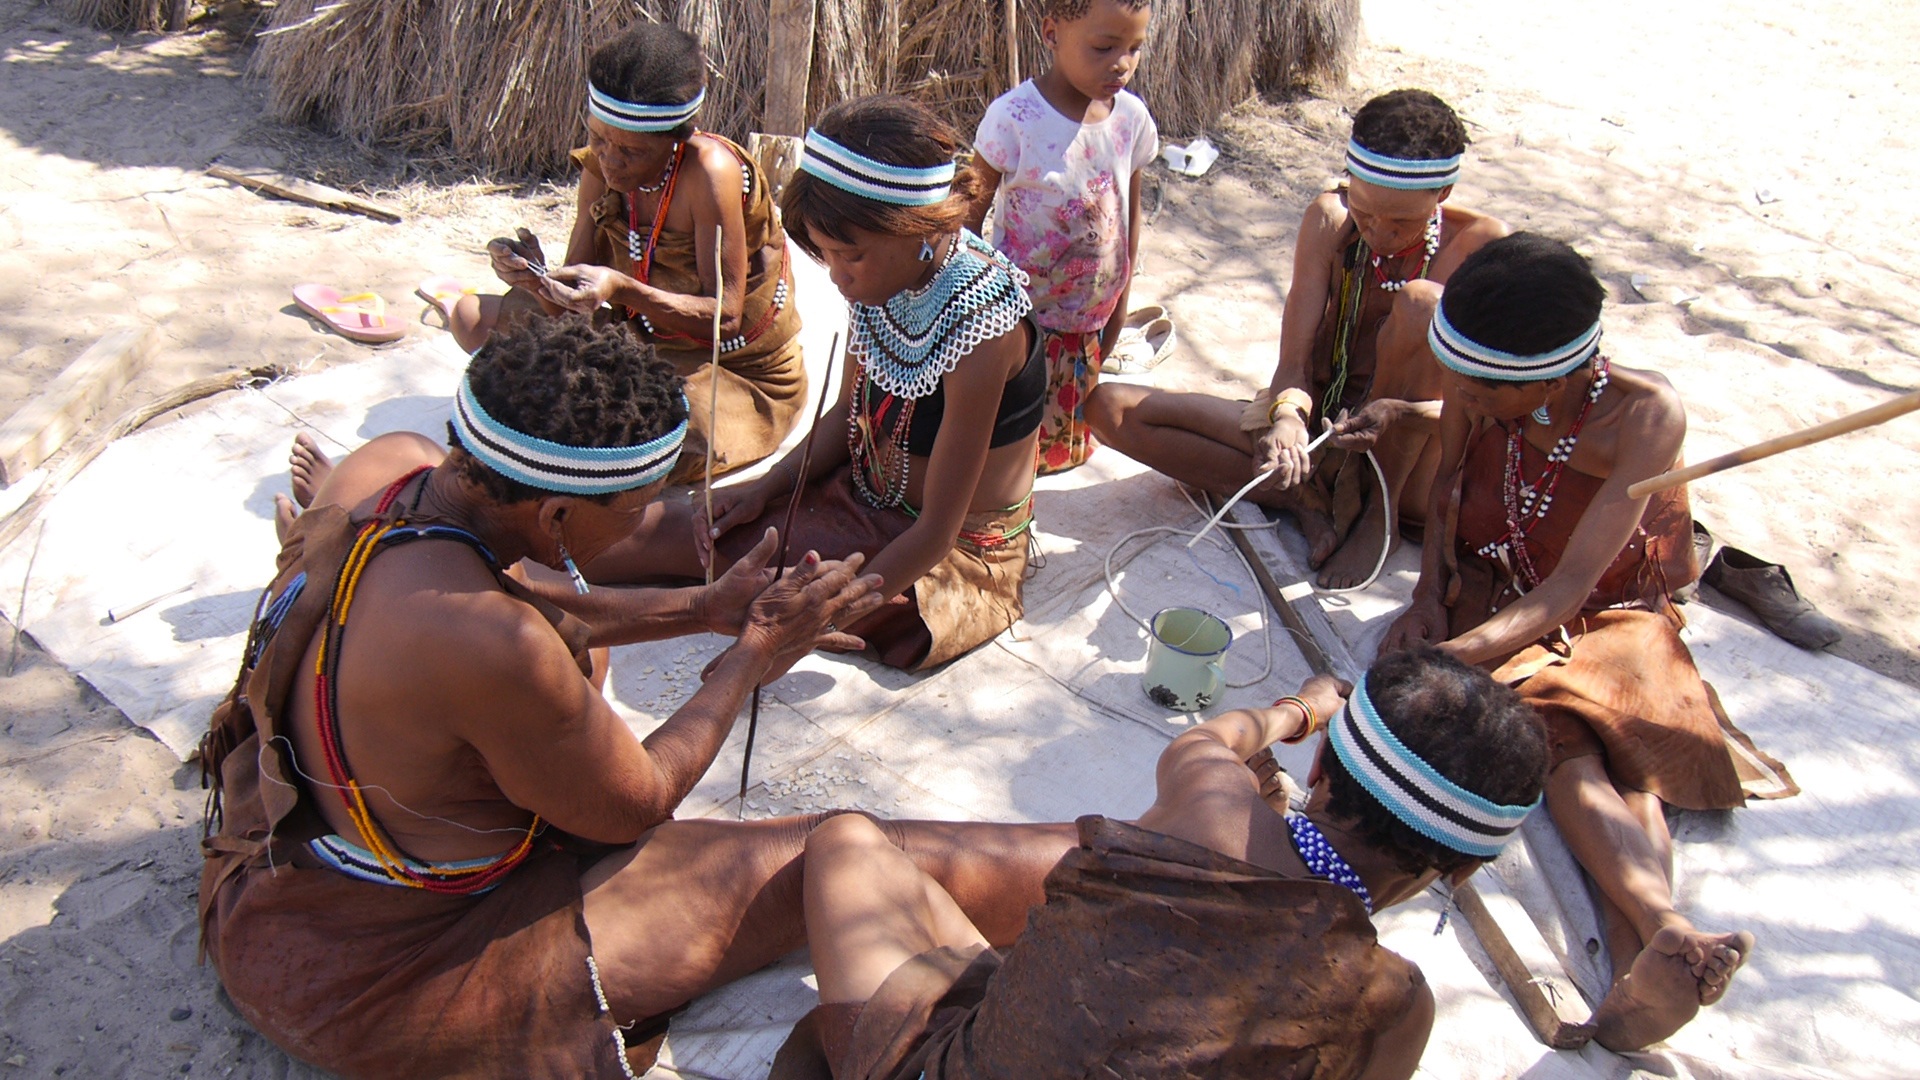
(1012, 19)
(713, 398)
(780, 559)
(1865, 418)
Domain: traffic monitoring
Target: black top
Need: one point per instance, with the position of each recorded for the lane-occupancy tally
(1020, 403)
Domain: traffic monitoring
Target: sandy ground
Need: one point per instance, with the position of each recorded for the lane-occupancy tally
(1749, 160)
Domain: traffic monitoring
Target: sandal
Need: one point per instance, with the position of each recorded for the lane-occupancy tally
(359, 317)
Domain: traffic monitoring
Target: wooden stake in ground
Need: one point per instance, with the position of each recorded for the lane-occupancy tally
(789, 66)
(1865, 418)
(1012, 20)
(780, 559)
(713, 398)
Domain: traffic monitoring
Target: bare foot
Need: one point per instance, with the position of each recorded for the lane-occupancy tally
(1357, 557)
(284, 513)
(308, 467)
(1680, 970)
(1321, 536)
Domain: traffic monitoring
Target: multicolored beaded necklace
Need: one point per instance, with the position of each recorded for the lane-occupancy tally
(1526, 504)
(906, 346)
(1430, 241)
(1322, 861)
(379, 531)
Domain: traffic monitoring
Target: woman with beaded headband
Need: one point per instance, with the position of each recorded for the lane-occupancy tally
(1544, 570)
(1225, 934)
(1368, 267)
(925, 463)
(434, 848)
(653, 188)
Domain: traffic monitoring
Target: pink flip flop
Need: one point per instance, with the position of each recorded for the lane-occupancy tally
(443, 291)
(359, 317)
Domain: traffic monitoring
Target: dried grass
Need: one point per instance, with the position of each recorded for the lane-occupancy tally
(115, 14)
(497, 82)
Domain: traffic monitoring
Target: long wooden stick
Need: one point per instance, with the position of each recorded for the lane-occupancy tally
(1011, 16)
(780, 559)
(713, 377)
(1865, 418)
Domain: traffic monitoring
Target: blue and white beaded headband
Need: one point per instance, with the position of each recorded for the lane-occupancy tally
(861, 175)
(1406, 174)
(552, 466)
(1469, 357)
(629, 116)
(1430, 804)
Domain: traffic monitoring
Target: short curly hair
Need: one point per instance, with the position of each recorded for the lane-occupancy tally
(567, 381)
(1472, 730)
(651, 63)
(1411, 124)
(1065, 10)
(892, 130)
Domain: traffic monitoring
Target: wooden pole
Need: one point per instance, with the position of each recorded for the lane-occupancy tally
(1865, 418)
(713, 395)
(1012, 19)
(789, 66)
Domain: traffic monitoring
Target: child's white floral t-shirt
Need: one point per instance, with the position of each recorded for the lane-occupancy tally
(1061, 210)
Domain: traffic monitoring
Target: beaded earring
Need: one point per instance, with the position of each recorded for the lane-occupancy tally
(926, 251)
(573, 571)
(1540, 415)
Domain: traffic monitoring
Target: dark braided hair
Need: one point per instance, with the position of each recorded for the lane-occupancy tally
(1412, 124)
(567, 381)
(1068, 10)
(1523, 294)
(651, 63)
(1470, 729)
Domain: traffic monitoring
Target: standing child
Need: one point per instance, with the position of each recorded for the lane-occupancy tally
(1063, 152)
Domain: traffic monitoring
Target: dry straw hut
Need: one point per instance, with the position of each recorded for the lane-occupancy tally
(498, 83)
(127, 14)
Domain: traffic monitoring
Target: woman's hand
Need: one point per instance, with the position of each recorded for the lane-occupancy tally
(802, 610)
(724, 604)
(519, 263)
(1327, 694)
(1283, 449)
(732, 507)
(583, 287)
(1359, 431)
(1423, 623)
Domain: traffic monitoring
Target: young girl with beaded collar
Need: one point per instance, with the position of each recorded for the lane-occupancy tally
(1368, 267)
(653, 191)
(1543, 568)
(925, 462)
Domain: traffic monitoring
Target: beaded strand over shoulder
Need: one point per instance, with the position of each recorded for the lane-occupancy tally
(1322, 860)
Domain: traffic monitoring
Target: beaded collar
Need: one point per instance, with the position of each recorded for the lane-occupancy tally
(1324, 862)
(912, 341)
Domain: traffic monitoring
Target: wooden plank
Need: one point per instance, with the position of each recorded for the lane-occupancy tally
(280, 185)
(789, 66)
(1299, 611)
(1546, 997)
(41, 426)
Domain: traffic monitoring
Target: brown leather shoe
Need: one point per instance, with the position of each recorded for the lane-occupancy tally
(1702, 558)
(1766, 588)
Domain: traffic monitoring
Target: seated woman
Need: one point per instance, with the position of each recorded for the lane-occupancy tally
(1368, 268)
(925, 463)
(433, 848)
(1224, 936)
(1543, 568)
(653, 189)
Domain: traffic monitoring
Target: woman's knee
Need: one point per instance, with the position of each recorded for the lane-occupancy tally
(844, 834)
(1107, 408)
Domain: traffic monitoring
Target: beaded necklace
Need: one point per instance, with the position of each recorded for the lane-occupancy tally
(1430, 241)
(906, 346)
(379, 531)
(1322, 861)
(642, 256)
(1526, 504)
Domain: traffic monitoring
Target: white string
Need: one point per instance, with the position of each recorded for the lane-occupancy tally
(1113, 590)
(295, 762)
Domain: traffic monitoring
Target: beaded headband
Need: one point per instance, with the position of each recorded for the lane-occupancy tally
(1406, 174)
(1469, 357)
(552, 466)
(1429, 803)
(863, 176)
(629, 116)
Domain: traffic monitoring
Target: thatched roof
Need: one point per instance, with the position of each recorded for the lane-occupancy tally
(498, 83)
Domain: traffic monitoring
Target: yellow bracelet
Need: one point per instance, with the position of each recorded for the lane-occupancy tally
(1299, 399)
(1313, 718)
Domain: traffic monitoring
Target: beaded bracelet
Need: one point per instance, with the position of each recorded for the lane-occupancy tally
(1313, 719)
